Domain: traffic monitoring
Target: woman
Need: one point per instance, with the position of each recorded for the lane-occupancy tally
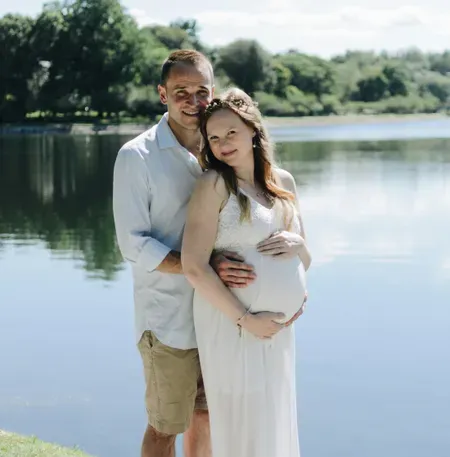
(244, 204)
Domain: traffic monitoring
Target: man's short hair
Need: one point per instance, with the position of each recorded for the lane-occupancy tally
(188, 56)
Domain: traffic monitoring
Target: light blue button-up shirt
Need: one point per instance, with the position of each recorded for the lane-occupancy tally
(154, 177)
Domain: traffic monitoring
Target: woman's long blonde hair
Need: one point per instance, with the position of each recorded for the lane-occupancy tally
(241, 104)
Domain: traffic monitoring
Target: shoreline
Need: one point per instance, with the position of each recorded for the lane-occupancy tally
(317, 121)
(13, 445)
(271, 123)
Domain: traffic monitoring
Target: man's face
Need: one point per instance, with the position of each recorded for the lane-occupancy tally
(188, 89)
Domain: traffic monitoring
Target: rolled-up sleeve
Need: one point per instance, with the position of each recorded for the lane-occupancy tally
(131, 209)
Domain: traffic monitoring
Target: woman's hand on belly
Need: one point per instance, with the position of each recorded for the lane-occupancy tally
(262, 324)
(282, 245)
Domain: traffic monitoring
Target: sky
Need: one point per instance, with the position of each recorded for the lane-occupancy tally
(320, 27)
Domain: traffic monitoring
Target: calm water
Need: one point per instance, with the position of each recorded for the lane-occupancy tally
(373, 347)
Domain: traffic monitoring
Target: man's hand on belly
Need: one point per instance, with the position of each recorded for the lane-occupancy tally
(232, 269)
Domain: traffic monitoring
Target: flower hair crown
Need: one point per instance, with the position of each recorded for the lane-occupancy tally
(218, 103)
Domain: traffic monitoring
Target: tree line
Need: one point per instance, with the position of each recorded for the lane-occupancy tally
(88, 60)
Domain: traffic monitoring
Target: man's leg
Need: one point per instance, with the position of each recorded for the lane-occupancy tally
(197, 439)
(157, 444)
(171, 377)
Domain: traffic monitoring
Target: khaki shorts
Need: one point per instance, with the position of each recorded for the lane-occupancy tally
(174, 385)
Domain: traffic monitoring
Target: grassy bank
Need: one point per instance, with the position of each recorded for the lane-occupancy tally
(12, 445)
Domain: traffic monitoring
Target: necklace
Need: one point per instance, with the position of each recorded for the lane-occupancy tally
(258, 193)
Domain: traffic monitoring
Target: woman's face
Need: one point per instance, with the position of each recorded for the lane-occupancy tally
(230, 139)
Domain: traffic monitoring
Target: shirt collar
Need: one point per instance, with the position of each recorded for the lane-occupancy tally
(164, 134)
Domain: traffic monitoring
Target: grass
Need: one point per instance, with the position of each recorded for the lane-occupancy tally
(12, 445)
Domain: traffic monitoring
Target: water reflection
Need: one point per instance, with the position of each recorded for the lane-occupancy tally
(57, 189)
(385, 202)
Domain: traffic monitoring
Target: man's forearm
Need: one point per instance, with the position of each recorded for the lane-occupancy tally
(171, 263)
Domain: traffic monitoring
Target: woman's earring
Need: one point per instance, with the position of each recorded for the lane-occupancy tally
(254, 145)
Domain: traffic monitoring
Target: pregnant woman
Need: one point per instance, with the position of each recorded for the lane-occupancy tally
(242, 203)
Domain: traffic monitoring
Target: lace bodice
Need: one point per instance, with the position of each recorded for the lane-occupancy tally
(236, 235)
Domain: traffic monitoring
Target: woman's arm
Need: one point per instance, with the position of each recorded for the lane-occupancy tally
(287, 244)
(288, 182)
(198, 241)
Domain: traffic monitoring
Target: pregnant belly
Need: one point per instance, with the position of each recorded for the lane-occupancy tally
(280, 285)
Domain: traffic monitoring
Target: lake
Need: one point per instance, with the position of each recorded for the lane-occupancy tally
(373, 345)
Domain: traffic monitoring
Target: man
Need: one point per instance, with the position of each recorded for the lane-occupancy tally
(154, 176)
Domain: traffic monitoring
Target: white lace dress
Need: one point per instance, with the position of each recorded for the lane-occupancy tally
(250, 383)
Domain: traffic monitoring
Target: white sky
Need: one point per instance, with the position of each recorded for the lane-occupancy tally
(323, 27)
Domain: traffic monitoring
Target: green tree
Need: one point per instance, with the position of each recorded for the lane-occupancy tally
(46, 31)
(191, 27)
(96, 52)
(278, 79)
(271, 105)
(347, 77)
(397, 79)
(17, 66)
(151, 58)
(440, 63)
(246, 63)
(414, 59)
(373, 87)
(310, 74)
(436, 85)
(303, 104)
(172, 37)
(51, 91)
